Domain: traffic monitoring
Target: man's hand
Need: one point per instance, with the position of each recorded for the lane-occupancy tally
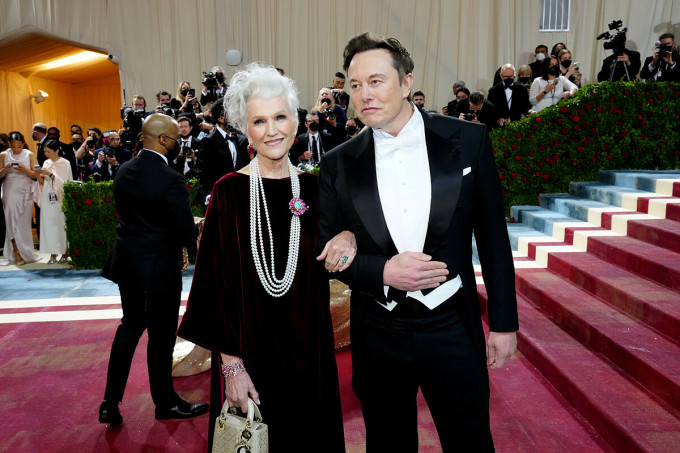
(101, 156)
(624, 57)
(413, 271)
(668, 58)
(445, 110)
(306, 155)
(339, 252)
(499, 348)
(112, 160)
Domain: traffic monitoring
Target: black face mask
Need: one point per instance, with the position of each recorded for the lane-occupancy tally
(172, 153)
(566, 64)
(554, 71)
(507, 82)
(220, 77)
(185, 92)
(525, 80)
(76, 144)
(314, 126)
(326, 101)
(34, 137)
(351, 130)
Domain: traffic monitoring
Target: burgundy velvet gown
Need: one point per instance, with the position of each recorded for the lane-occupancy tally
(286, 343)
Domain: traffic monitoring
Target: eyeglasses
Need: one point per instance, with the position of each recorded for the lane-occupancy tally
(173, 139)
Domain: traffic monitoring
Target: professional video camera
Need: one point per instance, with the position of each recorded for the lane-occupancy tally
(616, 42)
(132, 123)
(327, 111)
(209, 79)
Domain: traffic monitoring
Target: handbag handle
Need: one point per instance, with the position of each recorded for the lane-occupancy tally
(253, 411)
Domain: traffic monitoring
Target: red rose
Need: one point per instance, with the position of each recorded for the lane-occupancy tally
(97, 241)
(639, 116)
(576, 127)
(659, 96)
(88, 201)
(625, 155)
(107, 199)
(519, 136)
(84, 227)
(533, 128)
(107, 220)
(91, 223)
(643, 136)
(539, 119)
(524, 179)
(576, 119)
(538, 174)
(518, 158)
(581, 111)
(531, 153)
(564, 110)
(501, 177)
(600, 110)
(624, 133)
(564, 131)
(650, 101)
(588, 106)
(78, 204)
(609, 157)
(643, 124)
(580, 149)
(626, 92)
(512, 220)
(594, 159)
(513, 175)
(546, 176)
(115, 213)
(189, 187)
(502, 140)
(76, 252)
(506, 154)
(495, 151)
(73, 194)
(514, 147)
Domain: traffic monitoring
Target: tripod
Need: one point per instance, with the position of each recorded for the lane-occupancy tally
(615, 63)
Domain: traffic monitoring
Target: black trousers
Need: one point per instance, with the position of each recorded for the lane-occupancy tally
(158, 313)
(394, 353)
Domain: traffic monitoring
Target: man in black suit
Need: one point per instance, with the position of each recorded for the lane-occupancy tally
(222, 152)
(185, 163)
(412, 189)
(623, 67)
(478, 110)
(67, 151)
(154, 223)
(312, 144)
(663, 65)
(510, 98)
(540, 53)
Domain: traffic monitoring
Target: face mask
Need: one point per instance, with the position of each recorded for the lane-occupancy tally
(77, 144)
(554, 71)
(351, 130)
(34, 137)
(525, 80)
(566, 64)
(326, 101)
(507, 82)
(314, 126)
(540, 56)
(185, 92)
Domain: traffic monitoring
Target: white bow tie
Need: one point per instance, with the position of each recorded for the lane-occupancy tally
(407, 139)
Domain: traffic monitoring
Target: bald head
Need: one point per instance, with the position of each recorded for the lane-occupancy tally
(39, 131)
(158, 130)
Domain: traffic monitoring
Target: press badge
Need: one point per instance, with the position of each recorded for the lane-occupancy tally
(52, 196)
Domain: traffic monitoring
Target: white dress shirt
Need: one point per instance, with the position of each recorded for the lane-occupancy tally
(232, 146)
(405, 189)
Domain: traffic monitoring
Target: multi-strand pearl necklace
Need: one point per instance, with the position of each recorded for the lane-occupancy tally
(271, 284)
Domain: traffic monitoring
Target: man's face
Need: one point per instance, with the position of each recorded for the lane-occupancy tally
(476, 107)
(419, 100)
(461, 95)
(164, 99)
(507, 74)
(314, 119)
(668, 42)
(184, 128)
(76, 130)
(376, 92)
(138, 104)
(53, 134)
(76, 138)
(543, 50)
(114, 139)
(338, 83)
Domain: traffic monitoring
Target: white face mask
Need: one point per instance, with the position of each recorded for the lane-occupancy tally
(540, 56)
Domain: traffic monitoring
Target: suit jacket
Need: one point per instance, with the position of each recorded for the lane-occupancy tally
(215, 159)
(672, 75)
(520, 101)
(466, 196)
(620, 72)
(487, 114)
(154, 223)
(327, 141)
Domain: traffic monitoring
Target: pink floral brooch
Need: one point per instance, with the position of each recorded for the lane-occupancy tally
(297, 206)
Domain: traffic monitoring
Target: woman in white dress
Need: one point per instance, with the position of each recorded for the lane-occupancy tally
(549, 89)
(17, 167)
(55, 172)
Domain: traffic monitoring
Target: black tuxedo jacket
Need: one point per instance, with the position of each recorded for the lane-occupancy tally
(154, 223)
(667, 75)
(520, 101)
(215, 160)
(487, 114)
(466, 196)
(620, 72)
(327, 141)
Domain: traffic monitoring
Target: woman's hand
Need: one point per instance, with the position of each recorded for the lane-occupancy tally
(550, 85)
(238, 388)
(339, 252)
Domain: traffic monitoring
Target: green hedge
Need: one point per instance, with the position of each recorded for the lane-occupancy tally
(91, 221)
(611, 125)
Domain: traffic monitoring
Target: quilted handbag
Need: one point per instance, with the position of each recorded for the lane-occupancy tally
(238, 434)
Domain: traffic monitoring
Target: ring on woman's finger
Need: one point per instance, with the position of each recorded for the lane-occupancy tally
(344, 259)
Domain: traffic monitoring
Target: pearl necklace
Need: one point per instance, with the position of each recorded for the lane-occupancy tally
(271, 284)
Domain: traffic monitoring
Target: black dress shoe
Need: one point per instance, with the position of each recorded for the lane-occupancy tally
(182, 409)
(109, 413)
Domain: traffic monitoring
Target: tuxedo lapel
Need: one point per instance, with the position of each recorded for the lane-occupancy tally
(363, 187)
(446, 175)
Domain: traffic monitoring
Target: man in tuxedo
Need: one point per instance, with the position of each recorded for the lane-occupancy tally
(222, 152)
(478, 110)
(107, 160)
(185, 163)
(510, 98)
(451, 106)
(154, 223)
(412, 189)
(622, 67)
(314, 143)
(663, 65)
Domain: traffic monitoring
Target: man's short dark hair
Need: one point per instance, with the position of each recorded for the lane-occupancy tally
(418, 93)
(344, 97)
(340, 75)
(401, 59)
(465, 90)
(162, 93)
(477, 98)
(217, 110)
(185, 118)
(53, 129)
(667, 35)
(75, 125)
(540, 46)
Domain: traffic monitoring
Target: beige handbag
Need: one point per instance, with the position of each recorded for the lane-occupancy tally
(236, 434)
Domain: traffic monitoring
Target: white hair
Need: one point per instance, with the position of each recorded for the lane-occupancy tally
(257, 81)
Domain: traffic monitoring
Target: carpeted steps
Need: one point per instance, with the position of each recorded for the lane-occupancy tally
(598, 282)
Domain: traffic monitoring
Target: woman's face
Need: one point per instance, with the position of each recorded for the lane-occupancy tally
(51, 154)
(271, 129)
(325, 93)
(16, 146)
(185, 86)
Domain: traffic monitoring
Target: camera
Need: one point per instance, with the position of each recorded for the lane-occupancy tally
(191, 92)
(616, 23)
(616, 42)
(664, 49)
(470, 116)
(209, 79)
(328, 113)
(108, 152)
(90, 142)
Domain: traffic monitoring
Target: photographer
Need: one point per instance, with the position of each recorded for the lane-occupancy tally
(477, 109)
(332, 117)
(622, 64)
(450, 108)
(187, 97)
(663, 65)
(185, 163)
(550, 88)
(213, 85)
(107, 160)
(166, 104)
(568, 68)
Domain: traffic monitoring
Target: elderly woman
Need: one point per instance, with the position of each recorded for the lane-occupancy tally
(550, 88)
(17, 167)
(51, 178)
(260, 296)
(332, 117)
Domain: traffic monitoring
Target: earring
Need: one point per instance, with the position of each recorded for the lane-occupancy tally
(251, 150)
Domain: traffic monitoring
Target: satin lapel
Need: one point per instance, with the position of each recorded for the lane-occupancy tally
(363, 187)
(446, 174)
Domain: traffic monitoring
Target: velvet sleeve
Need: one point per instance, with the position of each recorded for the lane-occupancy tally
(214, 315)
